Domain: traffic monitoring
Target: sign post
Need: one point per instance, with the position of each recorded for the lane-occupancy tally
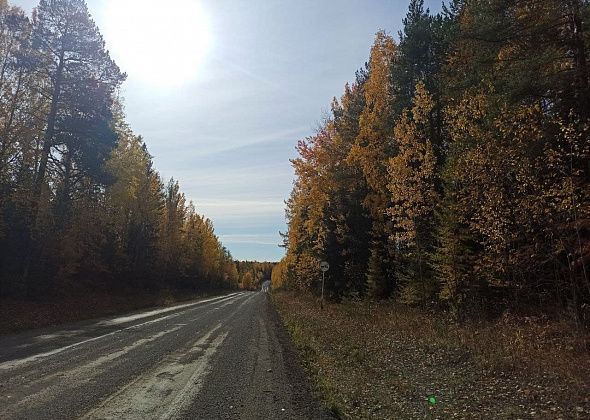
(324, 266)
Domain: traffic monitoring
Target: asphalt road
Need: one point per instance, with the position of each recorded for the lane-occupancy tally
(219, 358)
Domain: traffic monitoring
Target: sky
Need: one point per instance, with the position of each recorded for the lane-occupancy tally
(222, 90)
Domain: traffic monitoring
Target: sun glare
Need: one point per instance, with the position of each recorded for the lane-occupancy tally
(159, 43)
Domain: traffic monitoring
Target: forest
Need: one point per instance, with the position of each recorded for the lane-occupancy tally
(455, 169)
(81, 205)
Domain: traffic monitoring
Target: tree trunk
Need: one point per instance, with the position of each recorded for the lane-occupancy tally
(581, 62)
(63, 206)
(49, 134)
(10, 120)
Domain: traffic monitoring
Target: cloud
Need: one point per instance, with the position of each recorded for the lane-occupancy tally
(214, 144)
(242, 180)
(228, 208)
(251, 239)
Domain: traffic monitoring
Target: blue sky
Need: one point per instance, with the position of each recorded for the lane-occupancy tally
(269, 74)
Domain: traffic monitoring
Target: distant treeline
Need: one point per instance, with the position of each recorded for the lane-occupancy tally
(254, 273)
(81, 205)
(455, 169)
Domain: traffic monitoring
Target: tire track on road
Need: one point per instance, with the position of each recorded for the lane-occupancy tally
(153, 394)
(30, 389)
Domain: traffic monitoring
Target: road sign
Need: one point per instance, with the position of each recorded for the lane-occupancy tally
(324, 266)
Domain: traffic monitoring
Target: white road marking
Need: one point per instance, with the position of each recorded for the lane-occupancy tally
(196, 381)
(161, 392)
(19, 362)
(82, 374)
(128, 318)
(61, 334)
(115, 355)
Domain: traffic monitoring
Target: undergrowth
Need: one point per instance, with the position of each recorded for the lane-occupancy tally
(368, 359)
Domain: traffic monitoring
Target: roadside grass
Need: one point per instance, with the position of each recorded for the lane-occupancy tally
(18, 315)
(382, 360)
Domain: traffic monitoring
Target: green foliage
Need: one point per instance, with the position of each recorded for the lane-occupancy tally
(420, 54)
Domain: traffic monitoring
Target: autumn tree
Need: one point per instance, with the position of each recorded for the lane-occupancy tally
(456, 168)
(279, 275)
(81, 205)
(413, 185)
(136, 206)
(524, 68)
(18, 138)
(527, 49)
(371, 151)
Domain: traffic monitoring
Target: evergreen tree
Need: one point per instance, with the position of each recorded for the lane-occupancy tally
(416, 59)
(78, 79)
(81, 81)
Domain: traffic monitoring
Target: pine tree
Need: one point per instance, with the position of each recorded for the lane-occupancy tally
(352, 222)
(81, 82)
(78, 80)
(417, 59)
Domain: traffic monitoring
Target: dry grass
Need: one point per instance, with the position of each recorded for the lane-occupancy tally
(379, 360)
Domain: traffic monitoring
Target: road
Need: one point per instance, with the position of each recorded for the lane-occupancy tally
(219, 358)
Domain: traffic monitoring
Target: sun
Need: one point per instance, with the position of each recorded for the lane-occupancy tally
(160, 43)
